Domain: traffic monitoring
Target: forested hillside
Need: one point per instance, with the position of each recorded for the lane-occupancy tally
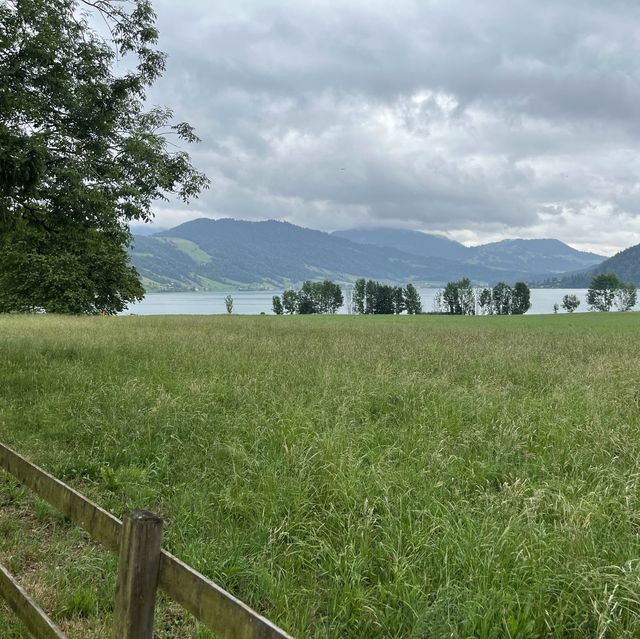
(210, 254)
(626, 265)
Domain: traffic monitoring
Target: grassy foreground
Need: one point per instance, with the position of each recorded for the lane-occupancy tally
(347, 476)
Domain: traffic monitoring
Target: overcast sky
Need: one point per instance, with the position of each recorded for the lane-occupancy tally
(480, 120)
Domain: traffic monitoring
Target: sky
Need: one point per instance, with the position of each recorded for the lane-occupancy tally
(477, 120)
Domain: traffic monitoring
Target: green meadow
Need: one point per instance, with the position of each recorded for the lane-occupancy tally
(348, 477)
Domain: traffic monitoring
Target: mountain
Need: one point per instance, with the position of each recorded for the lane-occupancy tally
(209, 254)
(534, 256)
(626, 265)
(528, 256)
(413, 242)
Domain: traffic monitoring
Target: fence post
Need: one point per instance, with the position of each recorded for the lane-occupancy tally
(138, 568)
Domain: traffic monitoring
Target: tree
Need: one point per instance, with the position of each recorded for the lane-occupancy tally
(449, 299)
(370, 297)
(228, 302)
(602, 291)
(278, 309)
(385, 300)
(467, 296)
(520, 299)
(398, 300)
(337, 299)
(485, 301)
(501, 299)
(319, 297)
(459, 298)
(290, 301)
(626, 297)
(570, 303)
(36, 275)
(359, 296)
(329, 296)
(412, 300)
(79, 156)
(307, 304)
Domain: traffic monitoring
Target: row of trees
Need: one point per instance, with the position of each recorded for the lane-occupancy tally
(369, 298)
(372, 298)
(457, 298)
(461, 298)
(313, 297)
(605, 291)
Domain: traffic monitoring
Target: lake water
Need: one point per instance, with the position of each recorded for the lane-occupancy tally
(256, 302)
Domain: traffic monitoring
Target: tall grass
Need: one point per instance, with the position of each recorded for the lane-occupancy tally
(346, 476)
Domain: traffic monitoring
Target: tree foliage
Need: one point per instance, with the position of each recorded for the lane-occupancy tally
(605, 288)
(373, 298)
(485, 301)
(313, 297)
(460, 298)
(626, 297)
(384, 300)
(501, 299)
(80, 157)
(359, 290)
(290, 301)
(412, 300)
(570, 303)
(520, 299)
(277, 306)
(399, 302)
(602, 291)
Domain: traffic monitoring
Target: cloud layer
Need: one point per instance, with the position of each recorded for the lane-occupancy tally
(480, 120)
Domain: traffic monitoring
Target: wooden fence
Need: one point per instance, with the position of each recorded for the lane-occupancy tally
(143, 567)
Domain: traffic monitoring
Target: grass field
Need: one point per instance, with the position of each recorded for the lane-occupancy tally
(349, 477)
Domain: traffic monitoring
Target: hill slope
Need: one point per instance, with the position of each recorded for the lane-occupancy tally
(528, 256)
(534, 256)
(626, 265)
(413, 242)
(209, 253)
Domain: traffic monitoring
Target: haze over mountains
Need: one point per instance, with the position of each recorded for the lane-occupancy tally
(218, 254)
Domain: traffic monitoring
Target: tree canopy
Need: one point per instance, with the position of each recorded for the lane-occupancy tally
(373, 298)
(460, 298)
(80, 156)
(312, 298)
(606, 290)
(570, 303)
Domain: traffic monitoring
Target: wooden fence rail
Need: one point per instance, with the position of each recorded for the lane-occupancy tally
(223, 613)
(33, 617)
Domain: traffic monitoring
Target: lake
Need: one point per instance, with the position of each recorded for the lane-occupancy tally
(256, 302)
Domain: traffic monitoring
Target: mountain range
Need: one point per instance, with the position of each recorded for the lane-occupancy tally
(221, 254)
(530, 256)
(625, 264)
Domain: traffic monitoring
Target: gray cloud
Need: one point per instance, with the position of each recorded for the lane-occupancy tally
(481, 120)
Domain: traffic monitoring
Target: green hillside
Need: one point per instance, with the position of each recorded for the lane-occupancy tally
(626, 265)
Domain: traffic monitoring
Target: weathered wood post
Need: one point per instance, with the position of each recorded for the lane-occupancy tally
(138, 568)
